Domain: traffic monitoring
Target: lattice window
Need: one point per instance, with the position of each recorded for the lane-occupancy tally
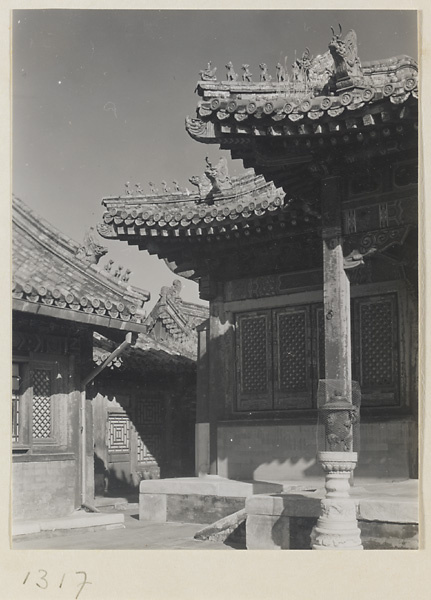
(118, 433)
(377, 343)
(253, 355)
(149, 451)
(16, 398)
(292, 351)
(42, 421)
(376, 349)
(292, 357)
(149, 411)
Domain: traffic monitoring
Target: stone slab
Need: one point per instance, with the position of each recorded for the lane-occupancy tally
(153, 507)
(390, 511)
(207, 486)
(393, 502)
(289, 505)
(264, 532)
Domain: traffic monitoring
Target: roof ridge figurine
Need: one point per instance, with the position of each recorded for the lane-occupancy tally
(345, 55)
(208, 74)
(231, 75)
(246, 76)
(90, 251)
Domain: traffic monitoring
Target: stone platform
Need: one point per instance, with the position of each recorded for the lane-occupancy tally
(197, 499)
(387, 515)
(79, 520)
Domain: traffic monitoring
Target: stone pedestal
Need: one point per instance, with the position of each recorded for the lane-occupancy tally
(337, 527)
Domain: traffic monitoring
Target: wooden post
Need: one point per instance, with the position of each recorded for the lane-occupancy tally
(336, 289)
(337, 527)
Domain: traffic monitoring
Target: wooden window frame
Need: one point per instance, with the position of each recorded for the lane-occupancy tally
(57, 367)
(305, 402)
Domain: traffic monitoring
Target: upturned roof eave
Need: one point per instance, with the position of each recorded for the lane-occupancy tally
(68, 314)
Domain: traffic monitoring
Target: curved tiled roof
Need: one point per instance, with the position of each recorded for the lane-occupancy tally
(330, 93)
(178, 318)
(250, 201)
(48, 273)
(146, 355)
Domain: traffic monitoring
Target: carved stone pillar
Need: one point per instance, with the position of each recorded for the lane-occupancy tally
(337, 525)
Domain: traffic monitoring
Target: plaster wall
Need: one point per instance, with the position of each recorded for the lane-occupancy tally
(288, 451)
(43, 489)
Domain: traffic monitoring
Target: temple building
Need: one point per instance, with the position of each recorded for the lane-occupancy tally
(309, 260)
(99, 400)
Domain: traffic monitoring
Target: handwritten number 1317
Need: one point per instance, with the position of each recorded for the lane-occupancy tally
(42, 580)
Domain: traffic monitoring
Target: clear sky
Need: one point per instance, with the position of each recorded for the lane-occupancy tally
(100, 98)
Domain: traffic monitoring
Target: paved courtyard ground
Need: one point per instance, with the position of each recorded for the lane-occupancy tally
(137, 535)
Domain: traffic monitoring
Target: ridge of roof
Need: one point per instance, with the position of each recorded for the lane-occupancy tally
(321, 89)
(248, 199)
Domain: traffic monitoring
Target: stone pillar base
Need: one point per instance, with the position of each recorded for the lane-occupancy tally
(337, 526)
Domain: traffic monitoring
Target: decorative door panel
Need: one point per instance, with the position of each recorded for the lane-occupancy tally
(376, 349)
(253, 361)
(118, 437)
(292, 358)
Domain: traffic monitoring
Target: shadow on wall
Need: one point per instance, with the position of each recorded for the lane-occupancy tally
(282, 445)
(152, 431)
(294, 532)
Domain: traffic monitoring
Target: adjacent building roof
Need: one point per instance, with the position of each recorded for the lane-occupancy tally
(169, 343)
(145, 357)
(174, 321)
(55, 276)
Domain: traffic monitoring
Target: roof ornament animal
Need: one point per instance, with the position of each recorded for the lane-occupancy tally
(231, 75)
(280, 73)
(208, 74)
(108, 266)
(264, 75)
(172, 292)
(91, 251)
(218, 175)
(153, 188)
(246, 76)
(202, 183)
(126, 276)
(345, 56)
(301, 68)
(165, 188)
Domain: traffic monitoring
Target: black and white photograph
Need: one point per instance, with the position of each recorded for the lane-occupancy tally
(215, 290)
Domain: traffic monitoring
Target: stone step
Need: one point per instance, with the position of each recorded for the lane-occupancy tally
(77, 520)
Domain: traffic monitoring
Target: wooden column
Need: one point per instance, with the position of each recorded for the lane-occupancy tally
(337, 526)
(336, 289)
